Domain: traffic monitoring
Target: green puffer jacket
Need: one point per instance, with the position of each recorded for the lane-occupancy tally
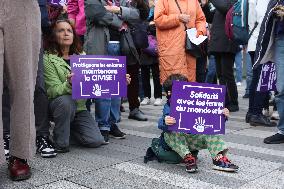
(55, 76)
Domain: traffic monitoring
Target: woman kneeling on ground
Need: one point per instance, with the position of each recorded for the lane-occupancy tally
(70, 116)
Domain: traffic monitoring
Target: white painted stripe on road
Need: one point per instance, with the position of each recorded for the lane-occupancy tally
(254, 133)
(255, 149)
(163, 176)
(229, 144)
(135, 124)
(273, 180)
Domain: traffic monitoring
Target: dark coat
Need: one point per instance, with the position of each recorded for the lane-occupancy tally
(219, 41)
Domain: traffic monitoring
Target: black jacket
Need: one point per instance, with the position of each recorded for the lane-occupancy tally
(219, 41)
(44, 16)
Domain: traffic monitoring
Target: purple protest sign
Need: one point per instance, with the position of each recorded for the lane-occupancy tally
(57, 2)
(98, 76)
(198, 108)
(267, 79)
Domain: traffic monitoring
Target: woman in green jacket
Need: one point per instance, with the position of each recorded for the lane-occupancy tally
(70, 116)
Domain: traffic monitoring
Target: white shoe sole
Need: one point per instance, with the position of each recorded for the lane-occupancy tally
(224, 169)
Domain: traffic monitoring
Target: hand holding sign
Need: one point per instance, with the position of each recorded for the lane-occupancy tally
(170, 120)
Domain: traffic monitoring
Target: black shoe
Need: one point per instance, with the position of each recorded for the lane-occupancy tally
(6, 139)
(45, 147)
(116, 133)
(261, 120)
(62, 149)
(233, 108)
(137, 114)
(274, 139)
(246, 96)
(106, 136)
(248, 116)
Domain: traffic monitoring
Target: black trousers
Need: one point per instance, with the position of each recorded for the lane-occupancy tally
(133, 87)
(257, 100)
(225, 74)
(201, 63)
(145, 71)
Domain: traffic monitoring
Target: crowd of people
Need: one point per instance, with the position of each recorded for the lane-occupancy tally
(36, 75)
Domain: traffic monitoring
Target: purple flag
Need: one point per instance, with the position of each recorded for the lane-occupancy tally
(198, 108)
(98, 76)
(267, 79)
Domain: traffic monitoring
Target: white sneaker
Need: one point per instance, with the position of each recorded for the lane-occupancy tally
(275, 115)
(239, 83)
(158, 102)
(145, 101)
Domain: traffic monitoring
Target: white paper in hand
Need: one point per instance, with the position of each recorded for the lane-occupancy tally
(191, 34)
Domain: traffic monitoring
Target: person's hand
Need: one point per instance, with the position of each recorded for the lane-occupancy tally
(226, 112)
(199, 33)
(279, 11)
(170, 120)
(64, 9)
(184, 18)
(72, 21)
(113, 9)
(69, 78)
(203, 2)
(128, 79)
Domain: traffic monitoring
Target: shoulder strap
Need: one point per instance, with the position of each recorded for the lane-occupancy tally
(180, 13)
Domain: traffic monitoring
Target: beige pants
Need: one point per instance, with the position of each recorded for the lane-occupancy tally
(20, 34)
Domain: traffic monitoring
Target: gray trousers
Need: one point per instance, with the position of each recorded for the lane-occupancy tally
(68, 122)
(40, 104)
(20, 37)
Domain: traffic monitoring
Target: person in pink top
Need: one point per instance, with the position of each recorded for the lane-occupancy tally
(76, 14)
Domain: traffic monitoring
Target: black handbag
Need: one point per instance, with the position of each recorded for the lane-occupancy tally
(139, 35)
(191, 48)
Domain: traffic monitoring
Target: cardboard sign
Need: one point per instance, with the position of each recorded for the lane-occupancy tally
(267, 79)
(198, 108)
(98, 76)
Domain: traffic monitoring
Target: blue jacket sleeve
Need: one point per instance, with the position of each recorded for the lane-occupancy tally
(161, 123)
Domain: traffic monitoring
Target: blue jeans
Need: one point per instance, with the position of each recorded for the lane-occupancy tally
(238, 63)
(108, 109)
(211, 73)
(249, 72)
(279, 63)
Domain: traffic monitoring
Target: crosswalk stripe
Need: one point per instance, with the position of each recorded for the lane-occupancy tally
(254, 133)
(229, 144)
(163, 176)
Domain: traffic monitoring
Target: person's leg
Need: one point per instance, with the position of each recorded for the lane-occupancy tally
(132, 94)
(201, 69)
(145, 74)
(227, 63)
(248, 74)
(239, 69)
(178, 143)
(62, 110)
(2, 157)
(279, 98)
(6, 108)
(86, 131)
(22, 46)
(103, 107)
(211, 72)
(156, 80)
(41, 102)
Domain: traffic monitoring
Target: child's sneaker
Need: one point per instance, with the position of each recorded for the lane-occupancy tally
(222, 163)
(190, 164)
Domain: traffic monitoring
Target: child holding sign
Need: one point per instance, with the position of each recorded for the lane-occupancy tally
(184, 143)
